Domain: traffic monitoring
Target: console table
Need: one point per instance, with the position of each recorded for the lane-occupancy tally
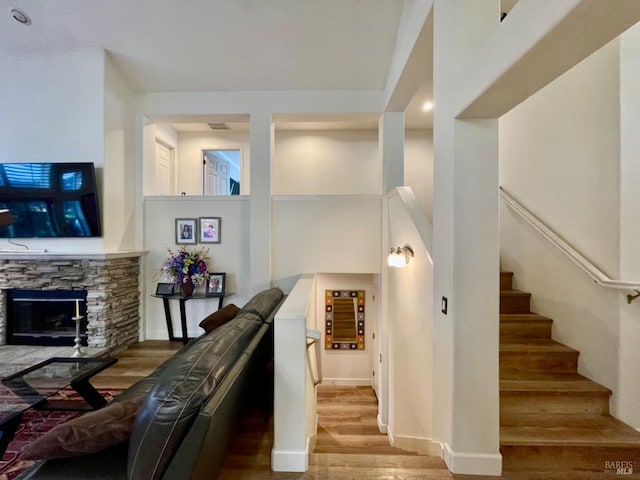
(183, 314)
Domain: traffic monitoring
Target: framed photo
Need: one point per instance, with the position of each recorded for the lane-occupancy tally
(216, 284)
(209, 229)
(186, 231)
(164, 289)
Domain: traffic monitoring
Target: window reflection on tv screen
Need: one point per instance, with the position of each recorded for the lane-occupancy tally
(49, 200)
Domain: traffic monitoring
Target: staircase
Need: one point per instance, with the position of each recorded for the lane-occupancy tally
(349, 444)
(552, 418)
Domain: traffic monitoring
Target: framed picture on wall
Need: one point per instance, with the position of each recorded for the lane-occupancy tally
(186, 231)
(209, 229)
(216, 284)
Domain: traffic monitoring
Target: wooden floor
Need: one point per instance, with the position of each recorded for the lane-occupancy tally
(135, 363)
(348, 444)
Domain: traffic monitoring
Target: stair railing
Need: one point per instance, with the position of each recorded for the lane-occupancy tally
(576, 257)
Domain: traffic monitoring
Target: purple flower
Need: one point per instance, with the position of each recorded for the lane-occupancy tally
(183, 264)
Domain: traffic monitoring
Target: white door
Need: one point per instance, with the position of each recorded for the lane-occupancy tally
(164, 173)
(217, 177)
(223, 169)
(212, 187)
(220, 166)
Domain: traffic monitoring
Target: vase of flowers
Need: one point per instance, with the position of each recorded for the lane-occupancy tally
(187, 268)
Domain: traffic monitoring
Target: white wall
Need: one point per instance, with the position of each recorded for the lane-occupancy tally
(410, 338)
(559, 155)
(339, 234)
(352, 367)
(326, 163)
(52, 110)
(118, 177)
(418, 167)
(230, 255)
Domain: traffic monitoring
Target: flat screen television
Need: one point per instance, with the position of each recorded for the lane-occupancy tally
(49, 200)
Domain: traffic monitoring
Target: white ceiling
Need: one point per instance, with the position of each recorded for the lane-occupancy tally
(225, 45)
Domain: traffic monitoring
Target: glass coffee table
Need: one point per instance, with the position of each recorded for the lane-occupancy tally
(33, 387)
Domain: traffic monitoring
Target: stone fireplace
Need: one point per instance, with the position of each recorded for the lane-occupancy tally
(111, 282)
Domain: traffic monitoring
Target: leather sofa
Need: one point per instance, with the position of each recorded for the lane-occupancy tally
(189, 406)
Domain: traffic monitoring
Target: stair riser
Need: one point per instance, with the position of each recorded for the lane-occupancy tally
(559, 458)
(523, 329)
(558, 362)
(506, 281)
(515, 303)
(513, 404)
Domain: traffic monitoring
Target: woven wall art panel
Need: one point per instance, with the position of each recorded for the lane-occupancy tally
(344, 319)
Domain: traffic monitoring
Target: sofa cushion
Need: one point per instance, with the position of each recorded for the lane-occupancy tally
(170, 407)
(89, 433)
(263, 303)
(220, 317)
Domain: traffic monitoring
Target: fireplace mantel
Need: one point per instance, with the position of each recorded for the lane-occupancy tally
(46, 255)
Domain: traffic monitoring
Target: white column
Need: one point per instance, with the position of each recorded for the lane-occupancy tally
(466, 251)
(391, 152)
(626, 400)
(261, 141)
(391, 145)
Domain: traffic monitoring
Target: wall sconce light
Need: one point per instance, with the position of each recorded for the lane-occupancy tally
(399, 256)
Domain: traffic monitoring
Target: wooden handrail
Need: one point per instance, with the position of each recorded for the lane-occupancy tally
(576, 257)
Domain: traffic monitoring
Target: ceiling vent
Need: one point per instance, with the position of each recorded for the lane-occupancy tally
(218, 126)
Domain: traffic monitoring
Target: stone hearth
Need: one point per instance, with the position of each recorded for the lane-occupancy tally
(111, 282)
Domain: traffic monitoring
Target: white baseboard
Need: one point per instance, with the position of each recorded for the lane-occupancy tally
(381, 426)
(289, 461)
(472, 463)
(353, 382)
(420, 445)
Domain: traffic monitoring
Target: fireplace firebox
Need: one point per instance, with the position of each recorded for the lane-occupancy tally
(45, 317)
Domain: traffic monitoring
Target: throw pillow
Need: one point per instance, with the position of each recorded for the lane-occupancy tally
(222, 316)
(89, 433)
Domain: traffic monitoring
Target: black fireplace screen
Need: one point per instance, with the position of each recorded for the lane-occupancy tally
(45, 317)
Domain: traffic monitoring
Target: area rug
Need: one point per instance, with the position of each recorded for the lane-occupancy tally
(34, 424)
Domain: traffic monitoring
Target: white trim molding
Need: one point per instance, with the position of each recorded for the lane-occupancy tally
(382, 427)
(290, 461)
(350, 382)
(472, 463)
(422, 446)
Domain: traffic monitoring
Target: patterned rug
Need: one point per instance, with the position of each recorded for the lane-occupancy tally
(34, 424)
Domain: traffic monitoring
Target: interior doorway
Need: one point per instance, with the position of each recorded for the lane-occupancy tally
(164, 169)
(221, 171)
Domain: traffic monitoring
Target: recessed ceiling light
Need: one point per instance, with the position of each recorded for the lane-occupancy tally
(427, 106)
(19, 16)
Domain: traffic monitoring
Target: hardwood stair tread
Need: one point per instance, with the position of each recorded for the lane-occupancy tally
(591, 431)
(538, 345)
(514, 291)
(546, 382)
(405, 460)
(524, 317)
(529, 386)
(579, 421)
